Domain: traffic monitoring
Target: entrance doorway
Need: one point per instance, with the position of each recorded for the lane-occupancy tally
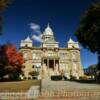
(45, 61)
(51, 64)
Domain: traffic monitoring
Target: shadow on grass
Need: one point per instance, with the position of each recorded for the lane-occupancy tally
(87, 81)
(9, 80)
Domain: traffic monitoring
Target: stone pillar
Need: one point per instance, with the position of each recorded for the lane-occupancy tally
(54, 64)
(48, 66)
(58, 66)
(47, 63)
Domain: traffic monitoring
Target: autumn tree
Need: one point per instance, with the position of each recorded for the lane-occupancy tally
(89, 30)
(10, 61)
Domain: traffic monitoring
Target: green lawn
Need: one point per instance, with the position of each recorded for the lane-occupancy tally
(18, 86)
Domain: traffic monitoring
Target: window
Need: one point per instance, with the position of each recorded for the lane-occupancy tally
(74, 66)
(37, 55)
(73, 56)
(63, 55)
(26, 45)
(25, 56)
(33, 66)
(34, 55)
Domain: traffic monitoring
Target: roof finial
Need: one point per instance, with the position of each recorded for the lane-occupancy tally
(48, 25)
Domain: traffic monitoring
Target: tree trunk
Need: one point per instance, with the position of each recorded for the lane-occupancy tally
(1, 23)
(98, 70)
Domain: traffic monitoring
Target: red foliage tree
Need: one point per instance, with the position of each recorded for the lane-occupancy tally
(11, 60)
(14, 58)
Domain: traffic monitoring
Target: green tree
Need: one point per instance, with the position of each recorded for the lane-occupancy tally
(89, 30)
(3, 5)
(34, 73)
(91, 71)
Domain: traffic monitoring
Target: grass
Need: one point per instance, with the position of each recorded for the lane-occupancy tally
(18, 86)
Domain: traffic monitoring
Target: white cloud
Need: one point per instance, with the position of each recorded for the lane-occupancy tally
(38, 34)
(34, 26)
(37, 38)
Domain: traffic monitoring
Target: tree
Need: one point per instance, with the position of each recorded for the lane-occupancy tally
(11, 61)
(89, 29)
(91, 71)
(3, 5)
(34, 73)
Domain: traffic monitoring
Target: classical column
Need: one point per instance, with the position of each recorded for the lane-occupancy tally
(42, 62)
(47, 63)
(48, 66)
(58, 65)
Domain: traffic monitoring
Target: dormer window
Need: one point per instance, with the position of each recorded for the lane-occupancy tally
(26, 45)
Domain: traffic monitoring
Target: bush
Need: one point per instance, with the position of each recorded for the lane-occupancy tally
(83, 77)
(34, 73)
(29, 78)
(56, 77)
(34, 78)
(65, 78)
(14, 76)
(25, 78)
(72, 77)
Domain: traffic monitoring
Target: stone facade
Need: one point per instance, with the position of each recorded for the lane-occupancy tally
(49, 59)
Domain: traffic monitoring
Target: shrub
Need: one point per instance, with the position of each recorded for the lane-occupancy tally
(72, 77)
(65, 78)
(34, 73)
(25, 78)
(34, 78)
(83, 77)
(56, 77)
(29, 78)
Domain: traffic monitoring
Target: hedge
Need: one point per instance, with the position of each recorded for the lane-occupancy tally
(56, 77)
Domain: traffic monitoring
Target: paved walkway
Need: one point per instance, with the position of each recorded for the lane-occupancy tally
(68, 85)
(69, 90)
(83, 98)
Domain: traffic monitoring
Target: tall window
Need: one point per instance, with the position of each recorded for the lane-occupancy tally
(73, 56)
(25, 56)
(34, 56)
(63, 55)
(74, 66)
(37, 55)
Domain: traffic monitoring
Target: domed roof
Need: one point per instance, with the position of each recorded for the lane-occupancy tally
(48, 31)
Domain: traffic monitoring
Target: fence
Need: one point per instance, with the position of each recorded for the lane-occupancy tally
(70, 94)
(34, 92)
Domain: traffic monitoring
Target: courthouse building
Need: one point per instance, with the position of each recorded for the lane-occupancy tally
(50, 59)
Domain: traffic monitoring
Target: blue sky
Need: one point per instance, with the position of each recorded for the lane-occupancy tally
(62, 15)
